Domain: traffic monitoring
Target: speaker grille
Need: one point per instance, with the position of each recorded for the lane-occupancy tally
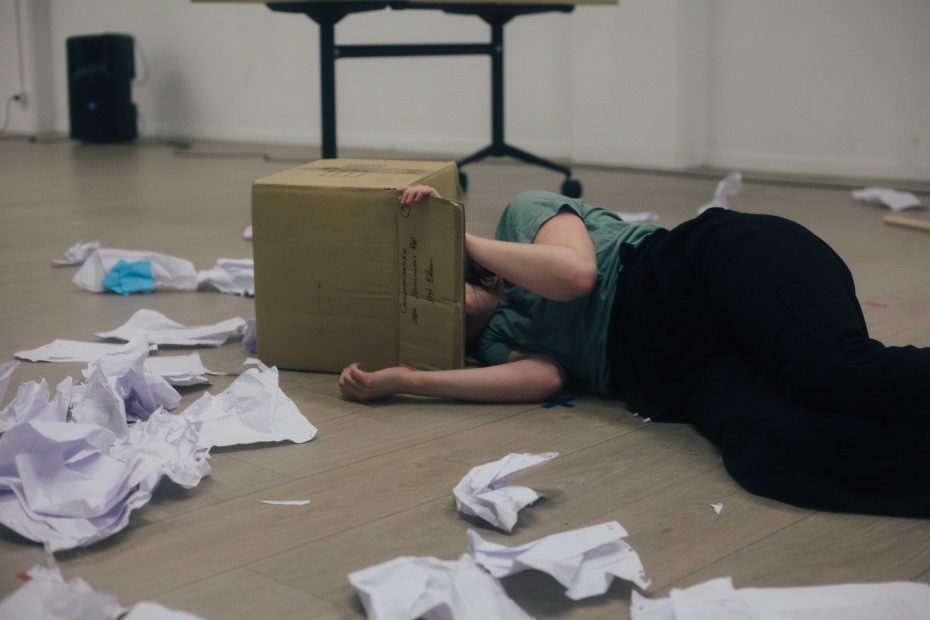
(100, 71)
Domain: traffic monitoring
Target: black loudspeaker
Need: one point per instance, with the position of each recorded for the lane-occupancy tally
(100, 71)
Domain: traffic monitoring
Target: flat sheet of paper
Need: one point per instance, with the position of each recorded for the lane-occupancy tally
(583, 560)
(252, 409)
(425, 587)
(235, 276)
(70, 351)
(887, 197)
(485, 493)
(179, 370)
(285, 502)
(169, 272)
(160, 330)
(728, 187)
(77, 254)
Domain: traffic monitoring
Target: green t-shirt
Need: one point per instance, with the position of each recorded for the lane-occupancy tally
(573, 332)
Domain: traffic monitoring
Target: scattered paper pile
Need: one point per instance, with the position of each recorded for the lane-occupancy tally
(73, 468)
(584, 561)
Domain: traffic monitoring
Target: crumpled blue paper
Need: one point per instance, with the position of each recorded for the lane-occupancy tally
(127, 278)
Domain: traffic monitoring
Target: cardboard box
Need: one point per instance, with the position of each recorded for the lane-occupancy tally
(344, 274)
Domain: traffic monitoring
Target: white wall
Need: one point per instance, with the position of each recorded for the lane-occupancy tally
(821, 86)
(812, 86)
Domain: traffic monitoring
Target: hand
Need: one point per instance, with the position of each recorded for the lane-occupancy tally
(415, 193)
(362, 385)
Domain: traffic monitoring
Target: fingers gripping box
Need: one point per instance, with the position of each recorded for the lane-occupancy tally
(344, 273)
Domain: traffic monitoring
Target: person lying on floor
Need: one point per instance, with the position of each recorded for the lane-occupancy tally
(746, 326)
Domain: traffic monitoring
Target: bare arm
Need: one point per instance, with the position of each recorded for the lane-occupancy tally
(559, 265)
(527, 378)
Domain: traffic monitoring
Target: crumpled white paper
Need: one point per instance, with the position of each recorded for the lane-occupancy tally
(77, 253)
(585, 560)
(252, 409)
(70, 484)
(48, 596)
(235, 276)
(425, 587)
(886, 197)
(485, 493)
(160, 330)
(168, 272)
(117, 387)
(728, 187)
(32, 402)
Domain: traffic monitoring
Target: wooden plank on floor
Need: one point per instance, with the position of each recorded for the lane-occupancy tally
(241, 594)
(828, 548)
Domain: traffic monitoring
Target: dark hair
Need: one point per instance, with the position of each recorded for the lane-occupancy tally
(478, 275)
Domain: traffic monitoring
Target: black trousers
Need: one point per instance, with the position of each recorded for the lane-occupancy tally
(748, 327)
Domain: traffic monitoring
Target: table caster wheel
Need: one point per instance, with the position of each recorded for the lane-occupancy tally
(571, 188)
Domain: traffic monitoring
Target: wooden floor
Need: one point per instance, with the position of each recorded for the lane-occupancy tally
(380, 476)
